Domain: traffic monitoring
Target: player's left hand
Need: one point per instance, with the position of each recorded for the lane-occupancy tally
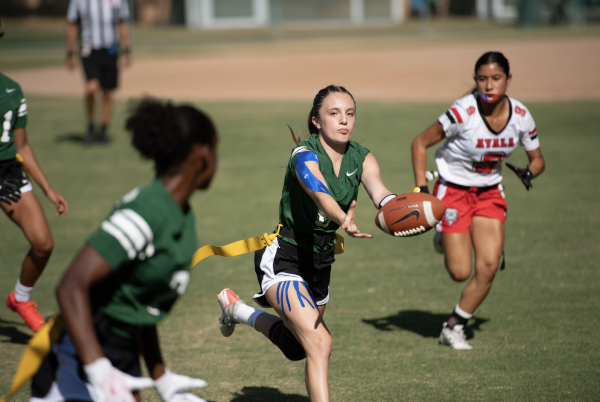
(61, 204)
(171, 387)
(350, 227)
(524, 174)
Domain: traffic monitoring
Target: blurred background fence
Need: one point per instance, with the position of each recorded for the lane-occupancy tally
(244, 14)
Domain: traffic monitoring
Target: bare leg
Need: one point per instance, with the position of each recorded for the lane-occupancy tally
(457, 251)
(307, 325)
(488, 242)
(29, 216)
(106, 106)
(91, 88)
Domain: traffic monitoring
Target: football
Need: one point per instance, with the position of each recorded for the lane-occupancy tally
(410, 214)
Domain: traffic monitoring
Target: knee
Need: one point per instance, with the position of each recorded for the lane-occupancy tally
(91, 88)
(459, 276)
(459, 271)
(320, 347)
(486, 270)
(43, 247)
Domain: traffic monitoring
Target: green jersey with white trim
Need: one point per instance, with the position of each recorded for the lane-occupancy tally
(148, 241)
(13, 114)
(298, 212)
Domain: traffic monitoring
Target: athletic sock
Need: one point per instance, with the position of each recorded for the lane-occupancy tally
(22, 292)
(245, 314)
(458, 317)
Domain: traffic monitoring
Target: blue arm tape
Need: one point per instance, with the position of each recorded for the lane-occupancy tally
(307, 177)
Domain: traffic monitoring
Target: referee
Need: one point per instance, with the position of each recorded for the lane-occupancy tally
(102, 26)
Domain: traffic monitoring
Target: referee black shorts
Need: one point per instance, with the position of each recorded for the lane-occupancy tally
(101, 65)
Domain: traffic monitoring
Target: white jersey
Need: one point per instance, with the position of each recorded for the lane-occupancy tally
(99, 21)
(473, 153)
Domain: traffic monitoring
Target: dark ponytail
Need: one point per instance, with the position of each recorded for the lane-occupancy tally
(493, 57)
(489, 58)
(165, 133)
(314, 111)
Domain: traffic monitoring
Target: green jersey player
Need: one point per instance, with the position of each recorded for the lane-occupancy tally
(319, 196)
(18, 200)
(132, 269)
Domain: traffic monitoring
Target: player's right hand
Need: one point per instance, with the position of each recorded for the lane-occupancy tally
(171, 387)
(10, 191)
(61, 204)
(350, 227)
(112, 385)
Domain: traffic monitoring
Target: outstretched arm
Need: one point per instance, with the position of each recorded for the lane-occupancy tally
(313, 182)
(73, 294)
(371, 179)
(431, 136)
(24, 149)
(74, 299)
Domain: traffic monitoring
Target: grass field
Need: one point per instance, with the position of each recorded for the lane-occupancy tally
(535, 337)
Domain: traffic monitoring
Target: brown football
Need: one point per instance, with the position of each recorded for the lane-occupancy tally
(410, 214)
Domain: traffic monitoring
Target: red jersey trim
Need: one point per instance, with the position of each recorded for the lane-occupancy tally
(533, 131)
(456, 114)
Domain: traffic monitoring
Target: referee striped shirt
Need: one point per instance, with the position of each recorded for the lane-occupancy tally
(99, 21)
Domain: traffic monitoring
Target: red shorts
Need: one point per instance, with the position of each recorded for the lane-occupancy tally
(463, 203)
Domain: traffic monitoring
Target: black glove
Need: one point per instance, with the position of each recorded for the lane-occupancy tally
(9, 191)
(424, 189)
(524, 174)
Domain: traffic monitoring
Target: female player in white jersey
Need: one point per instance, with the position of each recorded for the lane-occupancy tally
(481, 130)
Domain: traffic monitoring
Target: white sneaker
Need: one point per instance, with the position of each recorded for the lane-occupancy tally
(229, 302)
(437, 242)
(454, 337)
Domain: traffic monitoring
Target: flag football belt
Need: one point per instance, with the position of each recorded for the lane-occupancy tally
(40, 344)
(20, 159)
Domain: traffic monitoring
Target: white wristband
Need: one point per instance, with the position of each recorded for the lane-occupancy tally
(386, 199)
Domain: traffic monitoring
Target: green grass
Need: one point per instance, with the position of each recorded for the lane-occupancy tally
(534, 338)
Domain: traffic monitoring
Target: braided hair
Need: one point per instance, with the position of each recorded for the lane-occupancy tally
(165, 133)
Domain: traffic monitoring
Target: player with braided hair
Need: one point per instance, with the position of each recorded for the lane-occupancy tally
(319, 196)
(132, 269)
(18, 200)
(481, 130)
